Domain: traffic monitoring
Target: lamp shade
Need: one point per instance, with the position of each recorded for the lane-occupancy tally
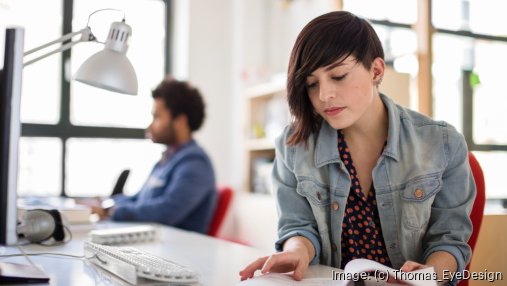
(110, 68)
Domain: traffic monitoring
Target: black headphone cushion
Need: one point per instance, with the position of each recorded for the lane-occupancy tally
(58, 233)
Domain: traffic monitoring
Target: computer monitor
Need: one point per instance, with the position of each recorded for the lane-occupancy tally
(10, 128)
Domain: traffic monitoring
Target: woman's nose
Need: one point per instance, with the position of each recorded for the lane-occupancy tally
(326, 92)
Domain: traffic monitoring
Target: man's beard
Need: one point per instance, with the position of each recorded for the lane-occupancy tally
(168, 138)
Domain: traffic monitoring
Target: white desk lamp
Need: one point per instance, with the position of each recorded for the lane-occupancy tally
(108, 69)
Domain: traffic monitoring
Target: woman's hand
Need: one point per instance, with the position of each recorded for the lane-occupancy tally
(280, 263)
(295, 257)
(411, 266)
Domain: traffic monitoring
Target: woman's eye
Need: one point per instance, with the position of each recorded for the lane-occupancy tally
(311, 85)
(338, 78)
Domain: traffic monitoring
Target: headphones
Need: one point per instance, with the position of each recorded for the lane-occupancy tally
(40, 225)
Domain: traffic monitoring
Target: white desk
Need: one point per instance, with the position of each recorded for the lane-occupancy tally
(218, 262)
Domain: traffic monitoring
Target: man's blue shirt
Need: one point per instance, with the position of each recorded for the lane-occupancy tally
(180, 192)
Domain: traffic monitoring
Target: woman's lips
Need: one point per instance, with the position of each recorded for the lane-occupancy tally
(333, 110)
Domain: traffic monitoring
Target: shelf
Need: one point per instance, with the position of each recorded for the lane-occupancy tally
(260, 144)
(265, 90)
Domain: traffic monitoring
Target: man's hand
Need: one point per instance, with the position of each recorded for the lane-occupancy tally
(103, 214)
(95, 205)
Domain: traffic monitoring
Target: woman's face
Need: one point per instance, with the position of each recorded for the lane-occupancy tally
(342, 92)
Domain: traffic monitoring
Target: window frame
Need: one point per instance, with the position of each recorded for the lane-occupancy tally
(425, 31)
(64, 129)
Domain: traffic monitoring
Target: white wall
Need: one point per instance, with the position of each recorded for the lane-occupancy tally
(222, 47)
(206, 52)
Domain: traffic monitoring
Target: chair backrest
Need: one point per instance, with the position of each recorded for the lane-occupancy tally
(478, 207)
(480, 199)
(224, 200)
(120, 182)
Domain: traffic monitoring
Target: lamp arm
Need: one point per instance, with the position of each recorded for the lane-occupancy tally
(86, 36)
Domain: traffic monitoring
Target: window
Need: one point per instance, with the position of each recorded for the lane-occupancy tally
(85, 155)
(41, 95)
(146, 49)
(76, 139)
(40, 167)
(468, 46)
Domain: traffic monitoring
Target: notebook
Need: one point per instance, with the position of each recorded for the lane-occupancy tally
(21, 273)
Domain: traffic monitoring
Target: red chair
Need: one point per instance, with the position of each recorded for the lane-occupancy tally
(478, 208)
(224, 201)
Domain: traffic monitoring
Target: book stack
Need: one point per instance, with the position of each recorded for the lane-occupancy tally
(72, 212)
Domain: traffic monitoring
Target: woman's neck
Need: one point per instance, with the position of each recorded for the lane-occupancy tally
(372, 126)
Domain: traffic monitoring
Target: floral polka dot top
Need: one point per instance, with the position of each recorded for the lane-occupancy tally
(361, 231)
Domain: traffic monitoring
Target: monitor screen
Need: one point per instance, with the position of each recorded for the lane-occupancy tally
(10, 127)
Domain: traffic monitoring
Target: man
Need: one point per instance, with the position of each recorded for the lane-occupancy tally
(180, 190)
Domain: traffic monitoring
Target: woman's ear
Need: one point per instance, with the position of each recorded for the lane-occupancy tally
(378, 67)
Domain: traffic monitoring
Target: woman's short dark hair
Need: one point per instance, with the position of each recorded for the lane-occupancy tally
(326, 39)
(182, 98)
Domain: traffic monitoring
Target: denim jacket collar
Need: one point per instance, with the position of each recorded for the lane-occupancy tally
(326, 150)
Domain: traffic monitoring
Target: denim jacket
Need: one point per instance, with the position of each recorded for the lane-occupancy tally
(423, 183)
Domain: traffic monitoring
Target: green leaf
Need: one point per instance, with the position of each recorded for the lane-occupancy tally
(474, 80)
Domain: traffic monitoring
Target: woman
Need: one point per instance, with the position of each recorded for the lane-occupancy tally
(357, 176)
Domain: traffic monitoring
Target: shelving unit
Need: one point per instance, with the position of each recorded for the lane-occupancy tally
(267, 114)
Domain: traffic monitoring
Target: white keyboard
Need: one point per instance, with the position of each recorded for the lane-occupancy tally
(136, 266)
(124, 235)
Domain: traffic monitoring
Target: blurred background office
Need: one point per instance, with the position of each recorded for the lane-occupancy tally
(446, 60)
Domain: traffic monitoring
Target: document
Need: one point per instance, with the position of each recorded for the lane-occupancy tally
(282, 279)
(357, 272)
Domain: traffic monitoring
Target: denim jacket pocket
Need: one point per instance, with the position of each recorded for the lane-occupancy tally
(316, 193)
(417, 198)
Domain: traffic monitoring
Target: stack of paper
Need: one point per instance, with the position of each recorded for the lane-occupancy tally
(73, 213)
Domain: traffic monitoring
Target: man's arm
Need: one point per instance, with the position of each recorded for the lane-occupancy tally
(190, 185)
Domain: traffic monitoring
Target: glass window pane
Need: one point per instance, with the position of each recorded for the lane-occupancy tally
(489, 100)
(40, 101)
(449, 14)
(146, 52)
(400, 47)
(471, 15)
(40, 166)
(397, 11)
(451, 55)
(488, 17)
(494, 174)
(93, 165)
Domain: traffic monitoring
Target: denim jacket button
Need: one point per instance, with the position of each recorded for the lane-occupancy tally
(419, 193)
(335, 206)
(319, 196)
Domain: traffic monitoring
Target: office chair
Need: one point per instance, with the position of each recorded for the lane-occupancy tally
(120, 182)
(224, 201)
(478, 207)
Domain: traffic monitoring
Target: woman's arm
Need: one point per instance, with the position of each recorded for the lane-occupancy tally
(445, 242)
(298, 242)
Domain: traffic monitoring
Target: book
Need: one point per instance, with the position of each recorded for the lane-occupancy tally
(356, 272)
(364, 269)
(21, 273)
